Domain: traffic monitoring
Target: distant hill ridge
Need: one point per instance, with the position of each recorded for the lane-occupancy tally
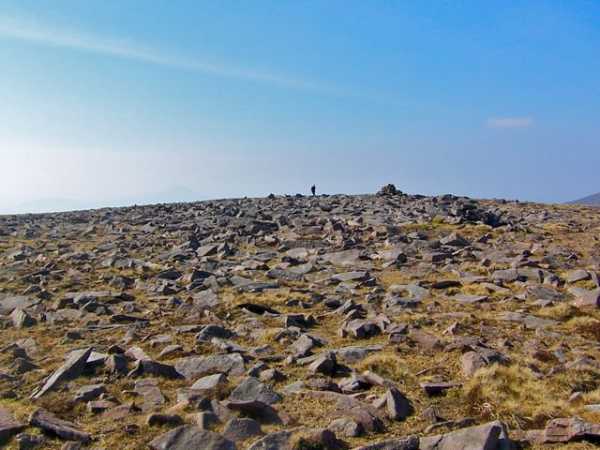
(593, 200)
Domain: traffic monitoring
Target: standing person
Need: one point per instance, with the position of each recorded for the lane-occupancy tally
(313, 189)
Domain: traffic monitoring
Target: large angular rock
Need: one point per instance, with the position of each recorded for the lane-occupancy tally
(317, 438)
(434, 388)
(489, 436)
(358, 275)
(49, 423)
(71, 369)
(574, 276)
(251, 389)
(164, 419)
(22, 319)
(469, 299)
(354, 354)
(154, 368)
(585, 298)
(398, 407)
(362, 329)
(454, 240)
(569, 429)
(9, 426)
(471, 362)
(273, 441)
(26, 441)
(116, 364)
(206, 299)
(9, 303)
(303, 345)
(255, 409)
(285, 275)
(210, 382)
(530, 321)
(150, 394)
(346, 427)
(194, 367)
(425, 341)
(344, 258)
(213, 331)
(405, 443)
(298, 438)
(388, 190)
(89, 392)
(506, 275)
(190, 437)
(240, 429)
(325, 364)
(345, 406)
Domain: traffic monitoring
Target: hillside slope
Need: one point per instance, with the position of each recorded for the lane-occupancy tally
(592, 200)
(269, 319)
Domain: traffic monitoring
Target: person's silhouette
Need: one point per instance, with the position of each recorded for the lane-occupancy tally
(313, 189)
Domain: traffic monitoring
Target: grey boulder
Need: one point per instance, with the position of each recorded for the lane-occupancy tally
(191, 437)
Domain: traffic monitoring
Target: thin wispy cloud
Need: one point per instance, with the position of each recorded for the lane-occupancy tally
(44, 34)
(510, 122)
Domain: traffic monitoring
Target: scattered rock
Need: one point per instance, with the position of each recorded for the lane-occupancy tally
(29, 441)
(325, 364)
(71, 369)
(189, 437)
(398, 407)
(241, 429)
(437, 388)
(251, 389)
(150, 393)
(164, 419)
(89, 392)
(197, 366)
(388, 189)
(49, 423)
(243, 315)
(490, 436)
(210, 382)
(8, 425)
(21, 319)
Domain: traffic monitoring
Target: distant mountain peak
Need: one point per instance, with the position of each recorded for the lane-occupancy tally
(592, 200)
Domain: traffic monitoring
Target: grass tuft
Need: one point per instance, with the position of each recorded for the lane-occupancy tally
(515, 395)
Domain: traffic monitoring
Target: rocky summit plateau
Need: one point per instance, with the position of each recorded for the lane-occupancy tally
(386, 321)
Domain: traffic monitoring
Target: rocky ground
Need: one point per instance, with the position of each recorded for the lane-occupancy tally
(385, 321)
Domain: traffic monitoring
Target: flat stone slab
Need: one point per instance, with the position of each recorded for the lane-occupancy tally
(9, 426)
(194, 367)
(191, 437)
(72, 368)
(489, 436)
(469, 299)
(150, 394)
(49, 423)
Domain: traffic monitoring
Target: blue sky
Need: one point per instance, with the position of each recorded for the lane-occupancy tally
(118, 101)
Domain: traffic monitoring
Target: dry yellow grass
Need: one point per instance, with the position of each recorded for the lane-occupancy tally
(514, 394)
(388, 365)
(562, 311)
(584, 325)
